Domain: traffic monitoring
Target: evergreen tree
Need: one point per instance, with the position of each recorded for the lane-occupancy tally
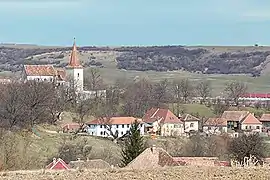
(133, 144)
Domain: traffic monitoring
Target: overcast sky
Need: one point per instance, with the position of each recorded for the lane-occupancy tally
(135, 22)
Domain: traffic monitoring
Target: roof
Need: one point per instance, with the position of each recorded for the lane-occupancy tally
(256, 95)
(90, 164)
(216, 122)
(164, 115)
(115, 120)
(234, 115)
(58, 164)
(152, 158)
(251, 119)
(189, 117)
(265, 118)
(74, 60)
(40, 70)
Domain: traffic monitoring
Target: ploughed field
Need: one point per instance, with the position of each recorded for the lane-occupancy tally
(170, 173)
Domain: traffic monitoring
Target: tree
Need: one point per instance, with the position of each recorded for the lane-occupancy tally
(133, 145)
(160, 91)
(234, 90)
(138, 98)
(219, 107)
(93, 79)
(182, 89)
(203, 90)
(246, 146)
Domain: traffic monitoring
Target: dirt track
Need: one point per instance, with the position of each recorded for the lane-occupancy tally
(177, 173)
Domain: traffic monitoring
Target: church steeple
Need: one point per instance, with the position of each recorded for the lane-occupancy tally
(74, 61)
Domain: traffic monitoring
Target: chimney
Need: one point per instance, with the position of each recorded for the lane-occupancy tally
(54, 160)
(153, 148)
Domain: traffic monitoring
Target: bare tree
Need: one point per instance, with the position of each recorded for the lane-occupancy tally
(160, 93)
(203, 90)
(93, 79)
(138, 98)
(219, 107)
(234, 90)
(182, 89)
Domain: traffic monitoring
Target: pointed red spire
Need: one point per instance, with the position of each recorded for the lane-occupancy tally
(74, 61)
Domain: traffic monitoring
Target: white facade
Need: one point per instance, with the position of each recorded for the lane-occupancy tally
(40, 78)
(172, 129)
(76, 75)
(191, 126)
(252, 127)
(102, 131)
(215, 129)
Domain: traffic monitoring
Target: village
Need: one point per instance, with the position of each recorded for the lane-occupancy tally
(155, 122)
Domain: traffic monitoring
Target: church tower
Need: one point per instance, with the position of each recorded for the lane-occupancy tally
(75, 69)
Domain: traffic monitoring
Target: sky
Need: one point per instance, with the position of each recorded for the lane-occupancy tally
(135, 22)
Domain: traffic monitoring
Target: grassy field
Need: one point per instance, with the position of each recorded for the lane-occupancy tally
(170, 173)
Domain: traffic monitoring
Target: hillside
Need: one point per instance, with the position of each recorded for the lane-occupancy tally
(217, 64)
(208, 60)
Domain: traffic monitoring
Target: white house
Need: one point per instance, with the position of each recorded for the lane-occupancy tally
(105, 127)
(191, 123)
(215, 126)
(163, 122)
(251, 123)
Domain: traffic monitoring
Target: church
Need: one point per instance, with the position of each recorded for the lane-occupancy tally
(71, 74)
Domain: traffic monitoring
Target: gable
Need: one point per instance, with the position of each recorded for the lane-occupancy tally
(251, 119)
(162, 115)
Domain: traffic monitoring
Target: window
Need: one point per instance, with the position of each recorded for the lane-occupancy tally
(123, 125)
(100, 126)
(257, 127)
(191, 125)
(78, 74)
(117, 126)
(92, 133)
(249, 127)
(101, 133)
(209, 128)
(246, 127)
(122, 132)
(127, 125)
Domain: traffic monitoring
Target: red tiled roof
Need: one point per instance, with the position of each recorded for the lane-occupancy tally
(256, 95)
(115, 120)
(58, 164)
(234, 115)
(74, 60)
(165, 115)
(189, 117)
(216, 122)
(265, 118)
(40, 70)
(251, 119)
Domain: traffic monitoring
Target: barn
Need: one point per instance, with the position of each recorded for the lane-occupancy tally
(58, 164)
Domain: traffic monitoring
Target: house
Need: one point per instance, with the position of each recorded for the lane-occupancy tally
(152, 158)
(58, 164)
(215, 126)
(265, 119)
(106, 127)
(90, 164)
(234, 119)
(251, 123)
(191, 123)
(163, 122)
